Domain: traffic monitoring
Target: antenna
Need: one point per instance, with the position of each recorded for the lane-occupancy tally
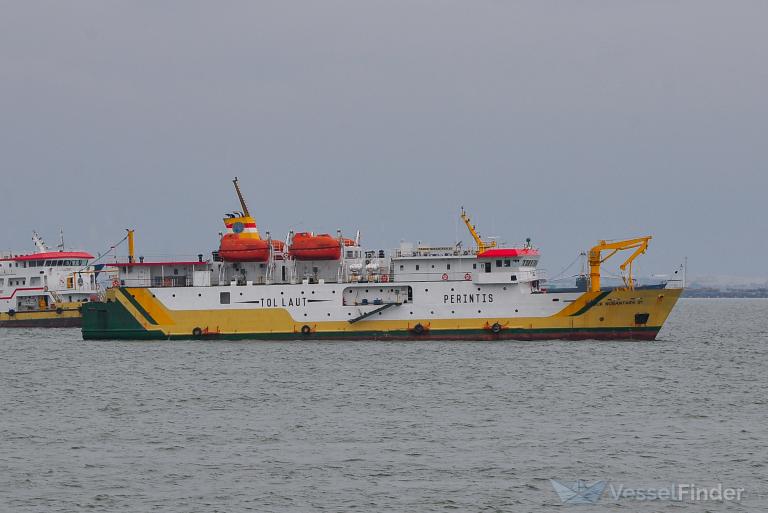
(61, 239)
(240, 197)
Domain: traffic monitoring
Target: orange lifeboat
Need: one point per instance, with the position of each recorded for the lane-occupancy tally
(234, 248)
(308, 246)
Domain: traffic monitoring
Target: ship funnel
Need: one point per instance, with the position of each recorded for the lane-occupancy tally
(241, 224)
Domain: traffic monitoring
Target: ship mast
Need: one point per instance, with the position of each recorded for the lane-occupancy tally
(240, 197)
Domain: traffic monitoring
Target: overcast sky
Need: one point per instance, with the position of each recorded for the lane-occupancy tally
(566, 122)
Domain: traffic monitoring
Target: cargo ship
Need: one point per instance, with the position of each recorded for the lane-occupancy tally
(45, 288)
(327, 286)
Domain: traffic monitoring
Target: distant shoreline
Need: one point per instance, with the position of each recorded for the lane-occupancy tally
(714, 293)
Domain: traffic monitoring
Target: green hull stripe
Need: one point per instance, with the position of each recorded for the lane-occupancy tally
(592, 303)
(138, 306)
(142, 334)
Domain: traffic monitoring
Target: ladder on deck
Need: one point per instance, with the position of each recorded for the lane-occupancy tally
(373, 312)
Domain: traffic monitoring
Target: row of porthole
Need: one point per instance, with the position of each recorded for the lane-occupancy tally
(349, 314)
(432, 312)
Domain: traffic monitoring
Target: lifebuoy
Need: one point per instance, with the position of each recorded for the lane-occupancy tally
(11, 312)
(467, 276)
(496, 328)
(445, 276)
(384, 278)
(115, 283)
(59, 310)
(306, 330)
(197, 332)
(418, 329)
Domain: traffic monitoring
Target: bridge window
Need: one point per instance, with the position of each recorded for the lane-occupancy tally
(417, 267)
(498, 263)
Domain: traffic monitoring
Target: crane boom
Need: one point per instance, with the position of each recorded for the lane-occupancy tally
(481, 244)
(240, 197)
(639, 244)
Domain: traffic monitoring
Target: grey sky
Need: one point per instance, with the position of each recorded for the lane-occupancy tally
(562, 121)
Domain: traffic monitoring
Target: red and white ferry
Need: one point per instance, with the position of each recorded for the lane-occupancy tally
(45, 288)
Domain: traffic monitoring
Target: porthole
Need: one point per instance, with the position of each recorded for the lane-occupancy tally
(305, 315)
(302, 292)
(426, 290)
(313, 292)
(478, 311)
(451, 289)
(432, 312)
(281, 292)
(199, 295)
(329, 315)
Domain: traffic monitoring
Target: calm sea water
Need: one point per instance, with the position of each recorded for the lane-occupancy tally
(395, 427)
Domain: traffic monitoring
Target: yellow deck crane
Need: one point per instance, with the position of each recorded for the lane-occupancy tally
(481, 244)
(640, 245)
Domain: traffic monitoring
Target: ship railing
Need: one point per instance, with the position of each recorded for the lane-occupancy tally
(674, 284)
(432, 252)
(157, 282)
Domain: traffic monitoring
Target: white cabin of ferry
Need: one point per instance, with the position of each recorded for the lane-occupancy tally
(39, 281)
(409, 263)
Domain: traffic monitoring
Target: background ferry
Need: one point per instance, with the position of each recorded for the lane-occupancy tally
(45, 288)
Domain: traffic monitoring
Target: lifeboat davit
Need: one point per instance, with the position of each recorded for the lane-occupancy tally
(235, 248)
(308, 246)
